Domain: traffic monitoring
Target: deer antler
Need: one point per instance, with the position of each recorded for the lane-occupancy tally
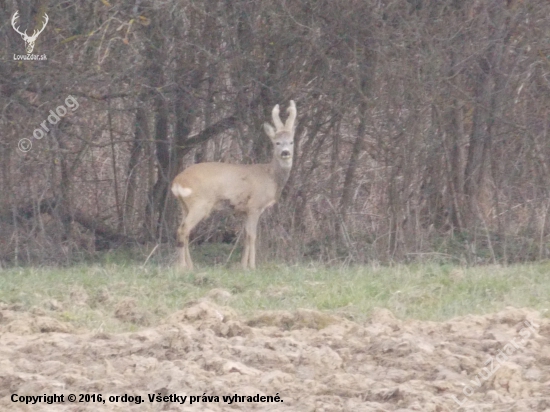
(276, 119)
(13, 20)
(289, 125)
(37, 32)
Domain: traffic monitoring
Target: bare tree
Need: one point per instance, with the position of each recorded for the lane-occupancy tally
(423, 126)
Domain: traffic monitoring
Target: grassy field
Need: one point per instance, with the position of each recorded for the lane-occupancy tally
(91, 296)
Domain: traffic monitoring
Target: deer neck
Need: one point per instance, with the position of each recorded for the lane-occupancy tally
(280, 171)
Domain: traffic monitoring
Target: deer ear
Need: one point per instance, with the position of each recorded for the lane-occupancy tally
(269, 130)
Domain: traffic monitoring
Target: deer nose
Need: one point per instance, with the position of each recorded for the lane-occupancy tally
(285, 154)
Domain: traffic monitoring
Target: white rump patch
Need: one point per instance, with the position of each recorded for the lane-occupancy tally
(179, 191)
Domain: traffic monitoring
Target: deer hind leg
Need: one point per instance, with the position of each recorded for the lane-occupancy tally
(249, 252)
(195, 214)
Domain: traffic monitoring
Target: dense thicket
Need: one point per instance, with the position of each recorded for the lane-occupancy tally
(422, 125)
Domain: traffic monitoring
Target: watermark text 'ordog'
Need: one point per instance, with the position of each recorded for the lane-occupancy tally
(54, 117)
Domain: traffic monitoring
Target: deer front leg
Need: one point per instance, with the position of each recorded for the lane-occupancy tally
(249, 253)
(246, 252)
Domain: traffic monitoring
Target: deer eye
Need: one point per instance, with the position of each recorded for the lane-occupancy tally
(278, 143)
(291, 143)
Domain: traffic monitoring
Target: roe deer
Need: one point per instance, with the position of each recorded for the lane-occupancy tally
(247, 188)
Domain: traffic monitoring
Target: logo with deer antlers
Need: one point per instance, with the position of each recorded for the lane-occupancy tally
(29, 40)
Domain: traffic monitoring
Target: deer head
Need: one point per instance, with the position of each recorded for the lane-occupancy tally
(29, 40)
(283, 135)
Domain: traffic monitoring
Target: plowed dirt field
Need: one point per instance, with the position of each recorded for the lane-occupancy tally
(313, 361)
